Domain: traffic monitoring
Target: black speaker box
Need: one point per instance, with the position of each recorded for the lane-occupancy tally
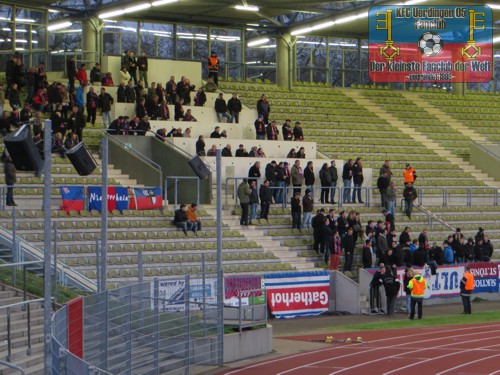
(199, 167)
(82, 159)
(22, 150)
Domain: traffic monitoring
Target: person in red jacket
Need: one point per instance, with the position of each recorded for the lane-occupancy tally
(81, 75)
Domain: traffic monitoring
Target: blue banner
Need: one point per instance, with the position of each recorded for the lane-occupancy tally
(72, 198)
(117, 198)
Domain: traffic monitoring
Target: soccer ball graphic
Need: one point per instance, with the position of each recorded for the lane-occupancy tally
(430, 44)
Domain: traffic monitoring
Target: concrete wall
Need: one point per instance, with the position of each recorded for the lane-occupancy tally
(248, 344)
(159, 70)
(205, 128)
(344, 294)
(486, 157)
(272, 149)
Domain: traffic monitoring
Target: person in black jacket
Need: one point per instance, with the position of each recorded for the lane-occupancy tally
(296, 211)
(142, 64)
(286, 131)
(264, 108)
(420, 257)
(71, 72)
(348, 245)
(347, 180)
(130, 92)
(326, 181)
(254, 172)
(234, 107)
(200, 146)
(309, 177)
(226, 151)
(95, 74)
(76, 122)
(121, 96)
(254, 200)
(327, 236)
(105, 103)
(391, 286)
(179, 110)
(298, 135)
(357, 179)
(181, 220)
(10, 177)
(334, 178)
(271, 173)
(317, 223)
(221, 108)
(382, 185)
(436, 254)
(265, 196)
(92, 103)
(375, 283)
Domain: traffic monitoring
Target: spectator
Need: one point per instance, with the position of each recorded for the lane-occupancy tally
(187, 133)
(124, 76)
(260, 128)
(301, 154)
(375, 284)
(326, 182)
(335, 252)
(71, 141)
(212, 151)
(181, 219)
(160, 92)
(298, 135)
(37, 124)
(297, 177)
(234, 107)
(193, 217)
(348, 246)
(130, 92)
(253, 152)
(386, 168)
(223, 134)
(179, 110)
(95, 74)
(264, 108)
(382, 185)
(189, 117)
(144, 126)
(58, 124)
(200, 98)
(296, 210)
(200, 146)
(254, 172)
(334, 178)
(271, 176)
(26, 113)
(92, 103)
(244, 192)
(10, 177)
(125, 60)
(213, 67)
(105, 103)
(241, 152)
(161, 134)
(309, 176)
(76, 122)
(163, 110)
(391, 286)
(265, 196)
(327, 234)
(367, 254)
(390, 198)
(409, 274)
(58, 145)
(142, 63)
(469, 250)
(226, 151)
(287, 132)
(121, 97)
(71, 72)
(291, 154)
(132, 66)
(420, 257)
(389, 218)
(221, 108)
(210, 86)
(254, 201)
(409, 195)
(317, 225)
(357, 179)
(409, 174)
(170, 89)
(14, 100)
(347, 179)
(81, 75)
(487, 249)
(279, 192)
(107, 80)
(307, 207)
(261, 153)
(272, 131)
(417, 285)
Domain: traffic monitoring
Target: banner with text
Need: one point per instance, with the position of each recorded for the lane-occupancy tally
(434, 44)
(298, 293)
(248, 288)
(446, 281)
(172, 294)
(117, 198)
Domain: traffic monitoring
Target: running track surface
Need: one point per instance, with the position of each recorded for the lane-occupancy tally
(458, 349)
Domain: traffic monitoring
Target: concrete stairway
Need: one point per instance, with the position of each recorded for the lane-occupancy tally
(358, 97)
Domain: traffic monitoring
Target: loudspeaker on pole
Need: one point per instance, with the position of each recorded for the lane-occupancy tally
(82, 159)
(22, 150)
(199, 167)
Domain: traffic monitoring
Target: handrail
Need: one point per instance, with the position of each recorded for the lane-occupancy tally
(23, 303)
(14, 367)
(482, 144)
(68, 274)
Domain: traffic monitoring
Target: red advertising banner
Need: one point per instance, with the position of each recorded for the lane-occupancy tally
(75, 327)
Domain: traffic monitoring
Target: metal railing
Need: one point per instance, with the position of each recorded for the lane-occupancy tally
(176, 180)
(249, 315)
(14, 367)
(167, 325)
(25, 305)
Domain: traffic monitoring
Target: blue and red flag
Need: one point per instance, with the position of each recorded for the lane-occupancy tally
(117, 198)
(146, 199)
(430, 44)
(72, 198)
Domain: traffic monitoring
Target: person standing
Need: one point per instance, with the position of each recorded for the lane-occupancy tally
(213, 67)
(348, 246)
(375, 283)
(71, 72)
(409, 274)
(327, 234)
(254, 201)
(409, 174)
(142, 63)
(390, 198)
(409, 195)
(382, 185)
(296, 210)
(386, 168)
(297, 177)
(317, 224)
(357, 179)
(326, 181)
(265, 196)
(334, 177)
(221, 108)
(307, 207)
(347, 179)
(105, 103)
(309, 177)
(234, 107)
(264, 108)
(244, 192)
(272, 131)
(92, 103)
(10, 177)
(336, 252)
(391, 286)
(254, 172)
(77, 122)
(132, 66)
(466, 289)
(417, 286)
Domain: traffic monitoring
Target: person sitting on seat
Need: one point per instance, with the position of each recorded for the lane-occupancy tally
(193, 217)
(181, 220)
